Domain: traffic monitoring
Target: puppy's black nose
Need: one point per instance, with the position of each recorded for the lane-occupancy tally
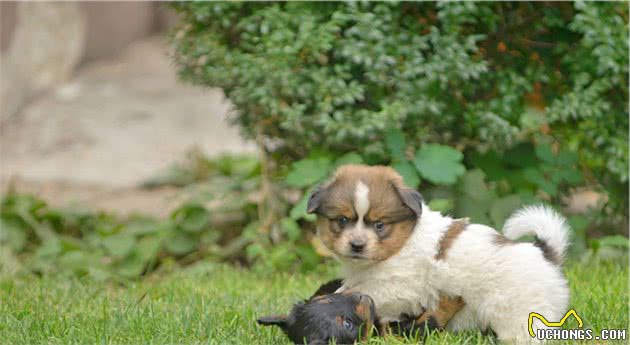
(357, 246)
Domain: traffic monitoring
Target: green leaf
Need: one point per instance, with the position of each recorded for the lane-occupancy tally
(348, 158)
(536, 177)
(441, 205)
(491, 164)
(503, 207)
(148, 248)
(439, 164)
(99, 274)
(467, 207)
(395, 143)
(192, 218)
(254, 250)
(567, 158)
(12, 235)
(142, 226)
(473, 185)
(49, 249)
(572, 176)
(544, 153)
(291, 229)
(521, 156)
(75, 260)
(180, 244)
(309, 171)
(119, 245)
(407, 171)
(132, 267)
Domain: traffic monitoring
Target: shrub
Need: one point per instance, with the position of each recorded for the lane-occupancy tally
(333, 76)
(484, 78)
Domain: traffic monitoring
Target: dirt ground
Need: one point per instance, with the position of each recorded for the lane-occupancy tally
(117, 123)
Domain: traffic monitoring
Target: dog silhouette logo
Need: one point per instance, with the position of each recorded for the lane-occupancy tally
(533, 315)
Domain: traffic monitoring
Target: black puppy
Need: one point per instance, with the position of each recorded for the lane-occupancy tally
(349, 317)
(326, 316)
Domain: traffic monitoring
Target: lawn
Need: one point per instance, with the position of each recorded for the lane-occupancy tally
(218, 304)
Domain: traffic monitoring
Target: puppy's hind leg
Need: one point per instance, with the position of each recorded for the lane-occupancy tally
(429, 320)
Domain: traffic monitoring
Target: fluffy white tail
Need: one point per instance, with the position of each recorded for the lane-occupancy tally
(549, 227)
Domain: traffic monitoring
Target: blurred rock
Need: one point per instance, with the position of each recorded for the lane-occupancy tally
(118, 122)
(583, 201)
(46, 45)
(112, 26)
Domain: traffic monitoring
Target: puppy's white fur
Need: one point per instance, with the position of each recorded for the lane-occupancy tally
(501, 284)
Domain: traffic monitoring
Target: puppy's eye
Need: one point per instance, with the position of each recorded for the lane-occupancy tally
(347, 324)
(379, 226)
(342, 221)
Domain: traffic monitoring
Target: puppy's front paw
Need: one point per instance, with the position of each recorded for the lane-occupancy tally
(451, 305)
(406, 325)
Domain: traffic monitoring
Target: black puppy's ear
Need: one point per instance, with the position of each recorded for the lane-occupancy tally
(328, 288)
(412, 198)
(274, 320)
(315, 200)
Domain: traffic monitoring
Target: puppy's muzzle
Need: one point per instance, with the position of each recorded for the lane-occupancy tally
(357, 246)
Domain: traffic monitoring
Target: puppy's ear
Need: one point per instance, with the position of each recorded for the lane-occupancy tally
(315, 200)
(328, 288)
(412, 198)
(274, 320)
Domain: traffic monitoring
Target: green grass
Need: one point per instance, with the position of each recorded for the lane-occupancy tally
(217, 304)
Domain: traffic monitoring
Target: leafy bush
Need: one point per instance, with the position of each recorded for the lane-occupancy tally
(480, 77)
(333, 76)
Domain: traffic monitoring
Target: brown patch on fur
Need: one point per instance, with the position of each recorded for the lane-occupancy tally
(502, 241)
(398, 236)
(447, 308)
(363, 311)
(548, 252)
(338, 320)
(456, 228)
(326, 234)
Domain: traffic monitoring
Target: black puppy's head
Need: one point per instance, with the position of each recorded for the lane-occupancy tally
(345, 317)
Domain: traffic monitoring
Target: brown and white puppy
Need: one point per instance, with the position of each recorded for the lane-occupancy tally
(365, 213)
(366, 216)
(393, 248)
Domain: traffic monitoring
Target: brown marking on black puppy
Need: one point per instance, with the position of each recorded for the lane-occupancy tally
(456, 228)
(338, 320)
(364, 311)
(548, 252)
(502, 241)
